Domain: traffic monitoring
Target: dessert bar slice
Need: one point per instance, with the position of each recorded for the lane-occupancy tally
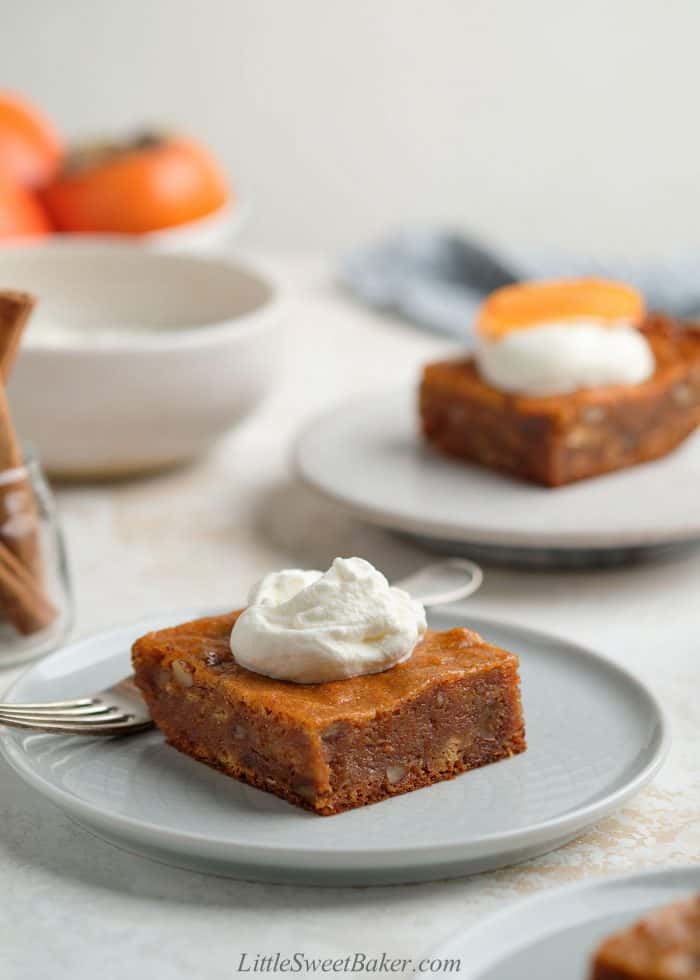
(558, 439)
(663, 946)
(452, 706)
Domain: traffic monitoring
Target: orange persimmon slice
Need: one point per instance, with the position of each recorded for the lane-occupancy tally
(525, 304)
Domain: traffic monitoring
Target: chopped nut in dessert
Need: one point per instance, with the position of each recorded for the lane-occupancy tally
(182, 674)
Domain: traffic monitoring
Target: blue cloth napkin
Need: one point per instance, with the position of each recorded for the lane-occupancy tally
(436, 279)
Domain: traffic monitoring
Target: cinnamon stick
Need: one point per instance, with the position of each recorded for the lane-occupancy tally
(22, 599)
(18, 518)
(10, 451)
(19, 522)
(15, 309)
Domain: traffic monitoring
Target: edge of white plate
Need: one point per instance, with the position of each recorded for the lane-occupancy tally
(337, 860)
(448, 532)
(450, 947)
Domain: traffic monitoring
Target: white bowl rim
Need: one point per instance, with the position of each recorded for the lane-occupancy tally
(201, 335)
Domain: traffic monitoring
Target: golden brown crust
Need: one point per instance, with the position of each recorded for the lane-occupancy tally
(313, 705)
(562, 438)
(453, 706)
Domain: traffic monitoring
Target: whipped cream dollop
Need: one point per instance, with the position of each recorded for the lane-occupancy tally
(312, 627)
(558, 357)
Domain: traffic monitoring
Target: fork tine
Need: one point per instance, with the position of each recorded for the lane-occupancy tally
(92, 708)
(118, 710)
(108, 715)
(123, 727)
(51, 705)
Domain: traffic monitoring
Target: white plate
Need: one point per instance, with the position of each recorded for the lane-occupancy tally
(595, 735)
(367, 456)
(555, 933)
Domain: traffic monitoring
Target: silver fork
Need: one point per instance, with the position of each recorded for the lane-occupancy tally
(120, 709)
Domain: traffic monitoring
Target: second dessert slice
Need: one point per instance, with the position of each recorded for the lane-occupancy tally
(665, 945)
(569, 380)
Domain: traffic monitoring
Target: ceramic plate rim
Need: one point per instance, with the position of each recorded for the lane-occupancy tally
(581, 817)
(382, 517)
(451, 945)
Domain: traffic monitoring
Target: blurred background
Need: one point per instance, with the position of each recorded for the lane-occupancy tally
(540, 123)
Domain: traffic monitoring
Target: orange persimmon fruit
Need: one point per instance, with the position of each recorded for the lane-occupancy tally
(147, 184)
(524, 304)
(21, 214)
(30, 148)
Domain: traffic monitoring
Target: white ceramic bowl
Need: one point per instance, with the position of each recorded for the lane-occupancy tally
(116, 402)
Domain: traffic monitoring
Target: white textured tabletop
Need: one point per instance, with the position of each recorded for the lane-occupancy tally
(73, 906)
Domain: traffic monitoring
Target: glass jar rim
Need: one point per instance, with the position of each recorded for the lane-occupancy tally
(30, 463)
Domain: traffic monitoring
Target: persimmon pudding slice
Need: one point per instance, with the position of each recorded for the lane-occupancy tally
(665, 945)
(329, 691)
(570, 379)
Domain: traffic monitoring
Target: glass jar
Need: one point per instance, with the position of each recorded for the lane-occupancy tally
(36, 611)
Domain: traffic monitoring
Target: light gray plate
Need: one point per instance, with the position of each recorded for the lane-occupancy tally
(595, 735)
(547, 559)
(367, 456)
(555, 933)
